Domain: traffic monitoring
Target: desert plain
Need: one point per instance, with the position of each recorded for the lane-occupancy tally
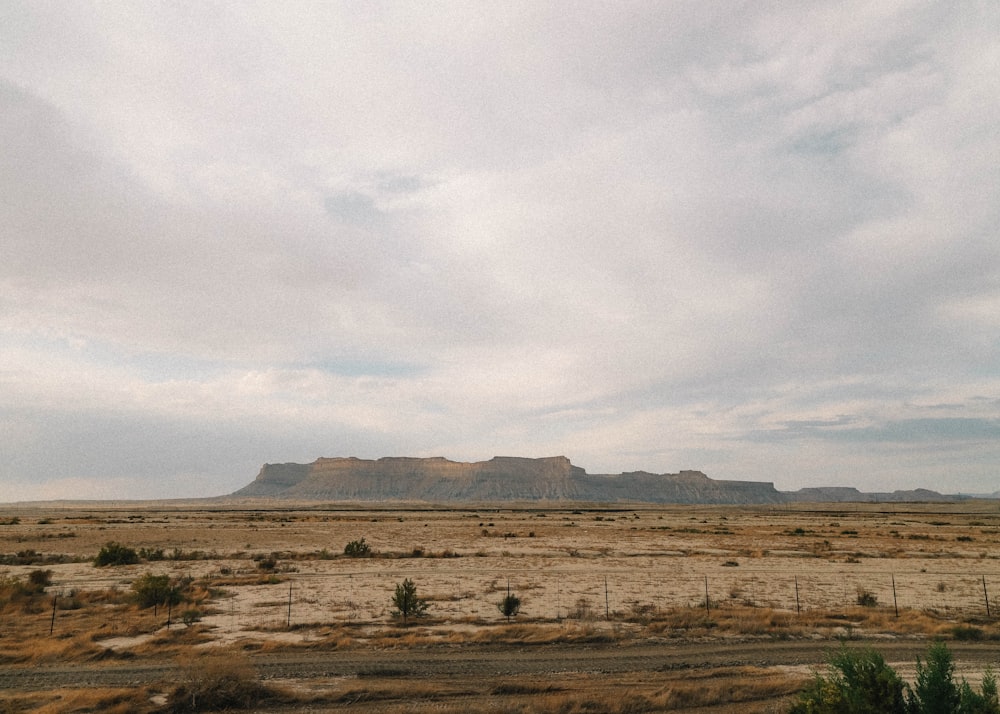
(623, 608)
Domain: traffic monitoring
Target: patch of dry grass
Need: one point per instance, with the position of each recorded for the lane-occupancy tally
(48, 650)
(134, 700)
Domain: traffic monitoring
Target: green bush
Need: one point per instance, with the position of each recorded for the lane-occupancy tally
(967, 633)
(267, 564)
(113, 553)
(153, 590)
(867, 598)
(509, 606)
(357, 549)
(858, 681)
(985, 701)
(39, 580)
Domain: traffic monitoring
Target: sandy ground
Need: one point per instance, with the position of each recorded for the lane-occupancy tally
(563, 563)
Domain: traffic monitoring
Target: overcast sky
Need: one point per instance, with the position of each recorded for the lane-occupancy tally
(754, 239)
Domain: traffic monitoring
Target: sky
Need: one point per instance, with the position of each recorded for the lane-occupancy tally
(754, 239)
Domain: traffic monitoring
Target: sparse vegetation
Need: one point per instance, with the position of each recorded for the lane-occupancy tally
(659, 577)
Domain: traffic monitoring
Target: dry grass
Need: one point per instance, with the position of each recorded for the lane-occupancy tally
(610, 694)
(134, 700)
(64, 648)
(221, 682)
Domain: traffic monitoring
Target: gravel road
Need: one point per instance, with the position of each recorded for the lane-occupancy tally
(493, 661)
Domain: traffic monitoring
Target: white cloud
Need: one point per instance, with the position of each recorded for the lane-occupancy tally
(646, 236)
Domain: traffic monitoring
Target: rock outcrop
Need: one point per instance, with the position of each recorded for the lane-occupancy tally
(845, 494)
(502, 478)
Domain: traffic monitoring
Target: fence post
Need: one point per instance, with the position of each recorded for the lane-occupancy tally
(986, 595)
(798, 607)
(607, 604)
(288, 621)
(895, 604)
(52, 623)
(708, 611)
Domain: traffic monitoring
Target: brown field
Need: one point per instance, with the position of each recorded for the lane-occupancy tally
(643, 608)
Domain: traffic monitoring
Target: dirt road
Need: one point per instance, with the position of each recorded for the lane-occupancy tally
(496, 661)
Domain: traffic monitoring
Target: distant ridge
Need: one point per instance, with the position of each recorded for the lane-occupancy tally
(509, 478)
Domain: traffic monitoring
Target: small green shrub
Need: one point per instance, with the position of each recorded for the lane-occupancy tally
(39, 580)
(967, 633)
(358, 549)
(267, 564)
(866, 598)
(113, 553)
(154, 590)
(858, 681)
(509, 606)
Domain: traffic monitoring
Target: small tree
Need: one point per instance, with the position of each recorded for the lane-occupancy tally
(984, 701)
(113, 553)
(935, 689)
(406, 601)
(357, 549)
(510, 605)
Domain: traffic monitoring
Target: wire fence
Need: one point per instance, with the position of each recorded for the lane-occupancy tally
(366, 597)
(468, 590)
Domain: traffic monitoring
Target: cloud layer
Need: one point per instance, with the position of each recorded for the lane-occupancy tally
(757, 241)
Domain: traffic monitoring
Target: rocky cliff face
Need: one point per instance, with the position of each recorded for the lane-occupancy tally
(502, 478)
